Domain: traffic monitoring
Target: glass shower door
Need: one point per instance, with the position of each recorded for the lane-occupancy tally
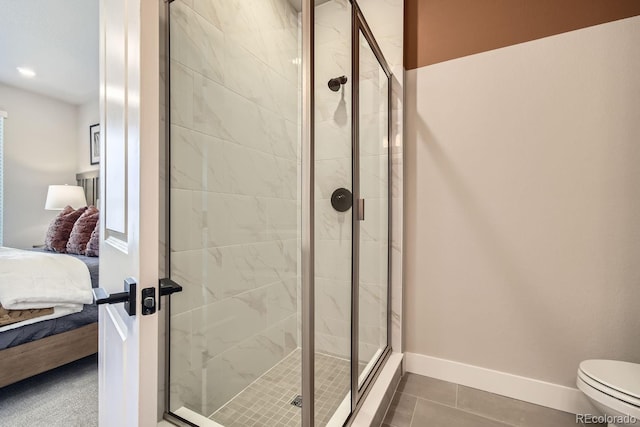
(333, 237)
(234, 339)
(371, 148)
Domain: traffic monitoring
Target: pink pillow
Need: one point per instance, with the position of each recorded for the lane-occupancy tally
(60, 229)
(93, 246)
(81, 232)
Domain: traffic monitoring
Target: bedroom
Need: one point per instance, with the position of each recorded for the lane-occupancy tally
(49, 101)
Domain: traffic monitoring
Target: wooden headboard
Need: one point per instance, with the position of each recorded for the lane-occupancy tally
(90, 181)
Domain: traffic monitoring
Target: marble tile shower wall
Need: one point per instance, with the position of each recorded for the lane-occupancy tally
(333, 170)
(234, 190)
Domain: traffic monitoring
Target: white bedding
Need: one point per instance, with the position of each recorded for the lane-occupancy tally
(37, 280)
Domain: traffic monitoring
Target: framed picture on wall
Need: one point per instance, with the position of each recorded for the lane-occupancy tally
(94, 143)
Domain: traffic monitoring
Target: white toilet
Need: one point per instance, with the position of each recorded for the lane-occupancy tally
(614, 388)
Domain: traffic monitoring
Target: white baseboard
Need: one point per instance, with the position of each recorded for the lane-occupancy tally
(522, 388)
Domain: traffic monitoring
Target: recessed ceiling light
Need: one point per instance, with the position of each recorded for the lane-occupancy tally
(27, 72)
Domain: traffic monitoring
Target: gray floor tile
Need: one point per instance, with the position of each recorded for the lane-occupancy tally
(401, 410)
(428, 388)
(511, 411)
(431, 414)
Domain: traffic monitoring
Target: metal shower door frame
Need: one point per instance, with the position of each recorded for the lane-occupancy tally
(360, 26)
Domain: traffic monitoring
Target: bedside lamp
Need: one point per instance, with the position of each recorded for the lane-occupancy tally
(60, 196)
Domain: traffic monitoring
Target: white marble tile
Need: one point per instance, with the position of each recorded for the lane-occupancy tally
(189, 269)
(249, 172)
(288, 142)
(182, 95)
(186, 381)
(233, 219)
(333, 300)
(196, 42)
(331, 224)
(281, 51)
(225, 324)
(333, 346)
(374, 134)
(286, 186)
(238, 367)
(291, 340)
(332, 141)
(333, 21)
(209, 107)
(373, 301)
(268, 132)
(374, 176)
(211, 10)
(188, 159)
(282, 300)
(277, 23)
(373, 262)
(376, 221)
(284, 95)
(248, 76)
(189, 232)
(240, 24)
(339, 328)
(332, 174)
(333, 259)
(282, 219)
(237, 269)
(231, 270)
(217, 172)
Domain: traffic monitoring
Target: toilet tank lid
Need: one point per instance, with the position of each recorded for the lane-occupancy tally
(621, 376)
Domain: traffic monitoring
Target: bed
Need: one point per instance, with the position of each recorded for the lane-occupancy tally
(38, 347)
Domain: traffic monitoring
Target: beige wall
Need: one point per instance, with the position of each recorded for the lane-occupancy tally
(39, 150)
(523, 204)
(88, 114)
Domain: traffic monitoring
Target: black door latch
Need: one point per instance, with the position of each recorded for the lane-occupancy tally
(128, 297)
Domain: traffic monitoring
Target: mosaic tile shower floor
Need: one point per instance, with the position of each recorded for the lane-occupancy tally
(267, 401)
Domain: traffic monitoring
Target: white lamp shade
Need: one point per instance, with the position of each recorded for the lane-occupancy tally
(60, 196)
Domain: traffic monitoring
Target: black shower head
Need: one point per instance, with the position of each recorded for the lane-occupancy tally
(335, 83)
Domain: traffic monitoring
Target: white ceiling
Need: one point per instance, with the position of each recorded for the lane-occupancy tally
(58, 39)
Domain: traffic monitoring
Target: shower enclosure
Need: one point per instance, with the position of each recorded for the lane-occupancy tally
(278, 175)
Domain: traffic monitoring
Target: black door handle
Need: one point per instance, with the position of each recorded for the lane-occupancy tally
(128, 297)
(167, 288)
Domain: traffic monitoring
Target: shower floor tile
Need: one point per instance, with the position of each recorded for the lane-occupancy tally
(267, 401)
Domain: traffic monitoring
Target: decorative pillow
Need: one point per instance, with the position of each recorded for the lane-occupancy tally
(60, 229)
(93, 246)
(81, 232)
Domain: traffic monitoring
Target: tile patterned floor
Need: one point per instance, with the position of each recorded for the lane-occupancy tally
(267, 401)
(426, 402)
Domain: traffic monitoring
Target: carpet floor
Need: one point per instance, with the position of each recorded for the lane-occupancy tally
(66, 396)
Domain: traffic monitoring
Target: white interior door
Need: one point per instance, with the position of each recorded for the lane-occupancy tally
(129, 105)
